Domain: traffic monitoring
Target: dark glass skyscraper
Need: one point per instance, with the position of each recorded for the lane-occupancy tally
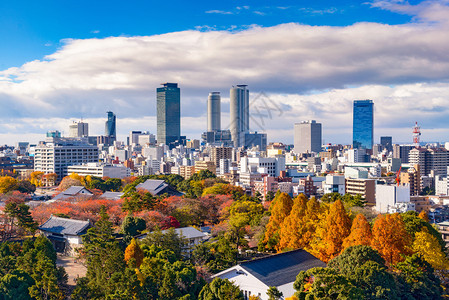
(110, 129)
(362, 126)
(168, 113)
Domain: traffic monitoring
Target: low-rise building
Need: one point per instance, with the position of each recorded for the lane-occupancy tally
(334, 184)
(363, 187)
(100, 170)
(393, 199)
(256, 276)
(65, 234)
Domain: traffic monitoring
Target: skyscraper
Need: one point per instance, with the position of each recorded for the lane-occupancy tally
(168, 113)
(214, 111)
(362, 126)
(239, 114)
(110, 129)
(307, 137)
(79, 129)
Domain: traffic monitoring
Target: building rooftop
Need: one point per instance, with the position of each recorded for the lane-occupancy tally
(282, 268)
(64, 226)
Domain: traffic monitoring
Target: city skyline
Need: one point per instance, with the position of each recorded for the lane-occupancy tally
(393, 53)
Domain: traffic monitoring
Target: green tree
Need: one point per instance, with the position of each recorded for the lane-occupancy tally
(325, 283)
(132, 226)
(102, 254)
(418, 279)
(167, 240)
(365, 268)
(274, 294)
(220, 289)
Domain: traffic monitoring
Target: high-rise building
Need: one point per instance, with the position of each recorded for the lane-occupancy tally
(363, 124)
(307, 137)
(57, 155)
(134, 137)
(239, 111)
(168, 113)
(110, 126)
(402, 152)
(217, 153)
(431, 161)
(255, 139)
(79, 129)
(387, 142)
(214, 111)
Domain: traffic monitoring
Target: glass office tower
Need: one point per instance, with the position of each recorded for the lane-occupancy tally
(110, 129)
(168, 113)
(362, 127)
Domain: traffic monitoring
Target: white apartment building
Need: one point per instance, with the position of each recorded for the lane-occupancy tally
(264, 165)
(393, 199)
(100, 170)
(334, 184)
(58, 155)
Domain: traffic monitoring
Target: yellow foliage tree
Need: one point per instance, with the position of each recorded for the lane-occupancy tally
(7, 184)
(36, 178)
(333, 228)
(291, 231)
(134, 251)
(390, 238)
(280, 209)
(360, 233)
(292, 298)
(428, 246)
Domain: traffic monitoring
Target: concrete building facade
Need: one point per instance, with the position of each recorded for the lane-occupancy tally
(307, 137)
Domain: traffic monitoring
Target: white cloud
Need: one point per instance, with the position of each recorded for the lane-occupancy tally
(221, 12)
(310, 71)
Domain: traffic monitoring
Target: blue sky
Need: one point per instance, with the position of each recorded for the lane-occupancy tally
(32, 29)
(65, 60)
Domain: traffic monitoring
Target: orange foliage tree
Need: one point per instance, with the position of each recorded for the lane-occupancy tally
(423, 215)
(134, 251)
(292, 230)
(360, 233)
(390, 238)
(333, 228)
(280, 209)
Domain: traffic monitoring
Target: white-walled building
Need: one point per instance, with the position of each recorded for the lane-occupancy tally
(393, 198)
(256, 276)
(56, 156)
(100, 170)
(264, 165)
(334, 184)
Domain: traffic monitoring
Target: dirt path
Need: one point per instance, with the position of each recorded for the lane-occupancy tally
(74, 269)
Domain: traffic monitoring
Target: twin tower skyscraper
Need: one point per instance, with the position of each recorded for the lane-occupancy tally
(239, 113)
(169, 116)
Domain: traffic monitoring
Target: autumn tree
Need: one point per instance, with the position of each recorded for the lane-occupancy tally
(331, 232)
(280, 209)
(36, 178)
(390, 238)
(134, 251)
(67, 182)
(293, 228)
(360, 233)
(429, 248)
(423, 215)
(7, 184)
